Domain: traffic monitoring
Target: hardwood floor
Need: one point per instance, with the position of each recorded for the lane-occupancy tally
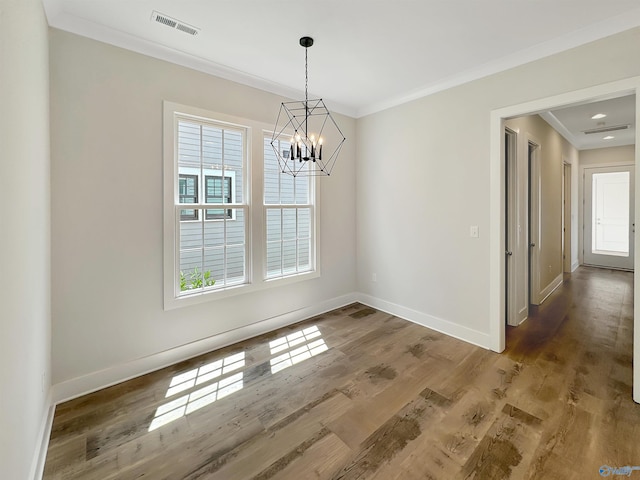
(360, 394)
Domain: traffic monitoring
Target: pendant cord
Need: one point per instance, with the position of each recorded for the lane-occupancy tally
(306, 92)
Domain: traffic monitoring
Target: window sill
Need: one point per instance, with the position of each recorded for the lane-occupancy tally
(234, 290)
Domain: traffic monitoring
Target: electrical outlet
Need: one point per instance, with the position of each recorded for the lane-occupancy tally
(474, 231)
(374, 277)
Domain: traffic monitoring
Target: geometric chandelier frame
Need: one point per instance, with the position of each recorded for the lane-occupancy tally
(300, 132)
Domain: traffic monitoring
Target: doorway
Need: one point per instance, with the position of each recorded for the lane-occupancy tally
(498, 197)
(608, 217)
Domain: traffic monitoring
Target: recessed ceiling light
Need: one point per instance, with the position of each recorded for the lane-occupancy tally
(598, 116)
(608, 137)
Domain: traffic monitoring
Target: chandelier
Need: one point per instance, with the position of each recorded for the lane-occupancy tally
(304, 131)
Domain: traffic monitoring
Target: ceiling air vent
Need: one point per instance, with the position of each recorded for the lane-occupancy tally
(612, 128)
(173, 23)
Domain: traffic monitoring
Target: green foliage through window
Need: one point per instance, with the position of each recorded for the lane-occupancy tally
(197, 279)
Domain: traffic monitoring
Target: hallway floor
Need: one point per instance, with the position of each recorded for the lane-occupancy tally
(361, 394)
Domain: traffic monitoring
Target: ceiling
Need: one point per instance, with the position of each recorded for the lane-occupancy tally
(572, 122)
(368, 54)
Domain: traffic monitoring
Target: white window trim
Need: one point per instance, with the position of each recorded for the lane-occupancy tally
(256, 233)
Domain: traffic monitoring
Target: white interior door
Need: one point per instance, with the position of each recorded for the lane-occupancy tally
(608, 217)
(566, 217)
(533, 150)
(511, 227)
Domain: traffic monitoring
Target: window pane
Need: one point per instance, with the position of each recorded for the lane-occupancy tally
(304, 258)
(214, 234)
(190, 270)
(191, 261)
(214, 263)
(233, 149)
(188, 193)
(271, 187)
(302, 189)
(289, 256)
(237, 186)
(274, 256)
(211, 146)
(218, 190)
(273, 224)
(304, 222)
(189, 138)
(235, 264)
(236, 228)
(212, 253)
(289, 227)
(190, 235)
(286, 189)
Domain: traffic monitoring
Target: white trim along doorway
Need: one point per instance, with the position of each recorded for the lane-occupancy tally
(497, 266)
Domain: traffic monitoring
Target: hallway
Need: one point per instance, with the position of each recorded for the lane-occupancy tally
(578, 348)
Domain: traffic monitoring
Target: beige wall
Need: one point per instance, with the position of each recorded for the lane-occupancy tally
(415, 236)
(106, 126)
(25, 309)
(608, 156)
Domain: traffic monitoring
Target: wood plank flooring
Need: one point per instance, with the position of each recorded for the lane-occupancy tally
(360, 394)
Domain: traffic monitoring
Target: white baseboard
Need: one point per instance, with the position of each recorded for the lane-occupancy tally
(40, 455)
(574, 266)
(460, 332)
(92, 382)
(549, 289)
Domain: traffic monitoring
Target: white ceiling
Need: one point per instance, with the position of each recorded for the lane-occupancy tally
(368, 54)
(573, 121)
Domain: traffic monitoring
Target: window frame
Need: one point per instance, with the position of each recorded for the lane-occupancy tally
(172, 114)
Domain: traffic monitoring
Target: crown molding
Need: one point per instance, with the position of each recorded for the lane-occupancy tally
(62, 20)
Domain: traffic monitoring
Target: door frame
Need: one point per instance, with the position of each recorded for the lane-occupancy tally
(497, 198)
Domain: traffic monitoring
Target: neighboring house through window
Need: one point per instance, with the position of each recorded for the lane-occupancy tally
(218, 190)
(188, 194)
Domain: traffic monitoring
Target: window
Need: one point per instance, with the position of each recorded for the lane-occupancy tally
(210, 249)
(218, 190)
(290, 218)
(214, 245)
(188, 187)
